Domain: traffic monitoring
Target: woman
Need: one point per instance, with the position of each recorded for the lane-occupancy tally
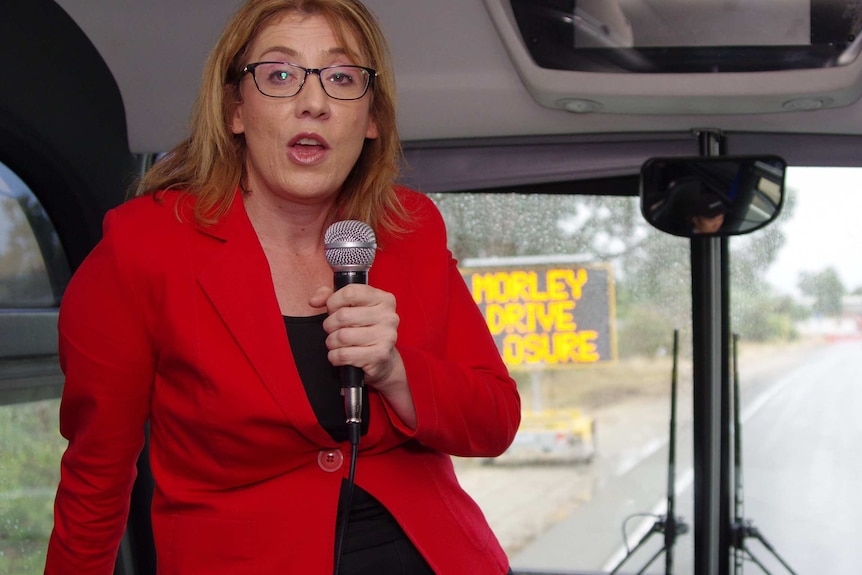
(208, 311)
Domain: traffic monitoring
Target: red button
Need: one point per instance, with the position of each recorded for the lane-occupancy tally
(330, 460)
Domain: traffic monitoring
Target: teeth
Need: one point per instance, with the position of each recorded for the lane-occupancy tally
(308, 142)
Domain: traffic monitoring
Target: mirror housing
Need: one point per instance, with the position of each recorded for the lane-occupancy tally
(712, 196)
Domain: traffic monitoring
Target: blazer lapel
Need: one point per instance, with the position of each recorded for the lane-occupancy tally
(238, 283)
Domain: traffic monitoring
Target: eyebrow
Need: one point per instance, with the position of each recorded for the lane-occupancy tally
(291, 53)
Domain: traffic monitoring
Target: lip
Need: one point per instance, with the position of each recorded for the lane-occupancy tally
(307, 149)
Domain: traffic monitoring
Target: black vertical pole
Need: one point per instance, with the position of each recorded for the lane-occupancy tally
(710, 325)
(725, 483)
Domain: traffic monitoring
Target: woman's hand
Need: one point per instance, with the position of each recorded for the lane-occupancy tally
(363, 329)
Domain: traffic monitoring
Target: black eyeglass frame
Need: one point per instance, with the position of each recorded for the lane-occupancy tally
(372, 74)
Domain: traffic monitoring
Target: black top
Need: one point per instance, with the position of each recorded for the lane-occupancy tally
(319, 377)
(370, 524)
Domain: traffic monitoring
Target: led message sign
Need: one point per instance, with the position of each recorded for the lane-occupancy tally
(548, 315)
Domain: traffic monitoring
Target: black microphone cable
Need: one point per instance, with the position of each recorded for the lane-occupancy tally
(348, 500)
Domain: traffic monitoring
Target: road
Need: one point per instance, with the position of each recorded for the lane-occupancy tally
(801, 463)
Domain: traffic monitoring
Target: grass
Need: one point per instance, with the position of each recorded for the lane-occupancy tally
(595, 386)
(30, 454)
(592, 387)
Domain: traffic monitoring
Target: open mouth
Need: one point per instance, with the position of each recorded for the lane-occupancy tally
(307, 149)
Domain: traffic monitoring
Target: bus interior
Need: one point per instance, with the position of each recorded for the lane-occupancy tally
(697, 415)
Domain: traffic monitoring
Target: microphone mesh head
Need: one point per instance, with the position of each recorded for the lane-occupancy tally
(350, 245)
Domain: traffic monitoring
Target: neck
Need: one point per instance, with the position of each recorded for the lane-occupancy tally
(281, 224)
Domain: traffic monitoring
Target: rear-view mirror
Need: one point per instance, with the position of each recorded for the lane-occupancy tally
(712, 196)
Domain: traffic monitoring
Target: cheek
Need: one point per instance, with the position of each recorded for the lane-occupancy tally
(259, 126)
(251, 115)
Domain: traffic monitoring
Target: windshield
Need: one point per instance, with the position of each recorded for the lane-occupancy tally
(587, 477)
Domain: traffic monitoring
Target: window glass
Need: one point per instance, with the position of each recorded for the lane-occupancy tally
(802, 392)
(796, 307)
(30, 449)
(33, 266)
(583, 297)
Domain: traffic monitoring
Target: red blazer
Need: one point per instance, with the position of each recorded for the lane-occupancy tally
(177, 324)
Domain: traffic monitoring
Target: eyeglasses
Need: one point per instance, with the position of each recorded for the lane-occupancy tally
(282, 80)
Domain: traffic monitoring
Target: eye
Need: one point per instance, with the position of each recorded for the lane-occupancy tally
(278, 74)
(341, 76)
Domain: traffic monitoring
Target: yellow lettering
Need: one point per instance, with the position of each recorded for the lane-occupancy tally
(534, 314)
(556, 284)
(556, 348)
(515, 314)
(494, 315)
(513, 350)
(520, 286)
(576, 281)
(535, 348)
(564, 320)
(479, 286)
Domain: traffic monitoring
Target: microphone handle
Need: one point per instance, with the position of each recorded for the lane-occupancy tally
(347, 277)
(352, 377)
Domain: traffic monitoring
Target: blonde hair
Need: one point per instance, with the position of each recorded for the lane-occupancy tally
(210, 163)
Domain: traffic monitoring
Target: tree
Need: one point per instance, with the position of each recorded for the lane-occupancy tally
(826, 288)
(651, 269)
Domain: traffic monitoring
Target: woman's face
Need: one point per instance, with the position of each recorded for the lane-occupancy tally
(706, 225)
(301, 148)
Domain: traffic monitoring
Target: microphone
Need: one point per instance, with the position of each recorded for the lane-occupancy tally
(350, 246)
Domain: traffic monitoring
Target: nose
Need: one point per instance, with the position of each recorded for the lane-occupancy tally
(311, 99)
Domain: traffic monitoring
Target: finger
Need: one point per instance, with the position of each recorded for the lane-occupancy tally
(372, 359)
(363, 296)
(352, 295)
(320, 297)
(361, 326)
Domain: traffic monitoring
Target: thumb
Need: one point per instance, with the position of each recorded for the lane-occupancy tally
(320, 297)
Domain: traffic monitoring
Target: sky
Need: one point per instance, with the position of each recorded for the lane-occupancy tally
(825, 230)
